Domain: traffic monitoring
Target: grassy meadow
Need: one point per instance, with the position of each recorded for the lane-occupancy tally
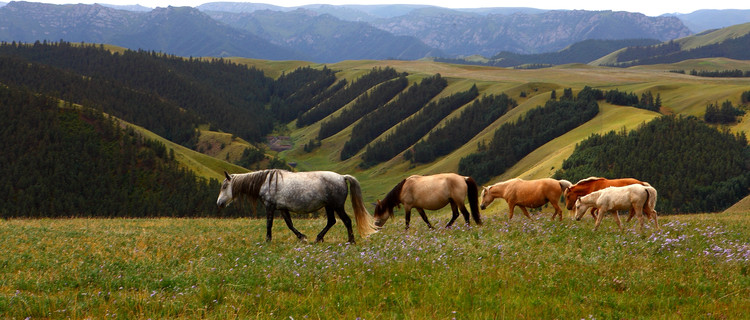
(697, 266)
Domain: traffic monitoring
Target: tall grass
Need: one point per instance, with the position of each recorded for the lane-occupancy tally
(696, 267)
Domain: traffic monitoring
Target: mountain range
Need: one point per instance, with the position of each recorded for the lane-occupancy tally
(319, 33)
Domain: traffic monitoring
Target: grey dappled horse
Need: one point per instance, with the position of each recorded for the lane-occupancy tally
(300, 192)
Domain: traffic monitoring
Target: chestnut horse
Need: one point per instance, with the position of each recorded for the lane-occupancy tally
(592, 184)
(432, 193)
(526, 194)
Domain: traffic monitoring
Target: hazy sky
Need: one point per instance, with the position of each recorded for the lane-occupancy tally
(648, 7)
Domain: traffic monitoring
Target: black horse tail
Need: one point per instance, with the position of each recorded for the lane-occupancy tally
(473, 195)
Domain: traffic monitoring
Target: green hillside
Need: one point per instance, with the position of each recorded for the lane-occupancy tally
(730, 42)
(212, 144)
(681, 94)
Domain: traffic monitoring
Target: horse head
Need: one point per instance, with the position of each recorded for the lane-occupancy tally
(487, 197)
(571, 196)
(581, 208)
(382, 213)
(225, 195)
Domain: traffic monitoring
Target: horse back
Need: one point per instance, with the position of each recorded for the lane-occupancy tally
(303, 191)
(433, 192)
(623, 197)
(534, 193)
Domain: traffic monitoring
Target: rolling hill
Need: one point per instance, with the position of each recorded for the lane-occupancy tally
(730, 42)
(579, 52)
(680, 94)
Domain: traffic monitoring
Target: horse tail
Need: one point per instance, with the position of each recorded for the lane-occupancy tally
(650, 199)
(473, 199)
(564, 184)
(365, 222)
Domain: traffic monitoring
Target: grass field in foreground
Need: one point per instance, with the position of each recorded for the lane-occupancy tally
(697, 267)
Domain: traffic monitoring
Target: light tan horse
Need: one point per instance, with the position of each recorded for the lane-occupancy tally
(641, 198)
(592, 184)
(526, 194)
(432, 193)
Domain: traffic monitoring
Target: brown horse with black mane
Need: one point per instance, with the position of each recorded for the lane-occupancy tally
(592, 184)
(526, 194)
(432, 193)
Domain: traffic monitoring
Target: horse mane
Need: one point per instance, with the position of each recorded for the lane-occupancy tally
(589, 179)
(393, 198)
(249, 184)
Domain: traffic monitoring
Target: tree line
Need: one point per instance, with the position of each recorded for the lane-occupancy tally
(459, 130)
(724, 114)
(342, 97)
(75, 162)
(412, 129)
(514, 140)
(166, 94)
(647, 100)
(694, 167)
(737, 73)
(297, 91)
(670, 52)
(381, 119)
(365, 103)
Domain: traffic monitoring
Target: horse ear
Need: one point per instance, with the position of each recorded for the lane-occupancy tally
(227, 175)
(378, 203)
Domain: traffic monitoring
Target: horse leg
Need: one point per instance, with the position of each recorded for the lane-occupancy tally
(525, 212)
(558, 210)
(656, 223)
(455, 213)
(424, 217)
(617, 219)
(632, 213)
(464, 212)
(651, 214)
(639, 213)
(599, 217)
(288, 220)
(347, 222)
(594, 212)
(511, 207)
(269, 221)
(407, 216)
(331, 221)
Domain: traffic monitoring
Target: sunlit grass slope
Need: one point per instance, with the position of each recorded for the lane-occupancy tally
(689, 42)
(680, 94)
(202, 164)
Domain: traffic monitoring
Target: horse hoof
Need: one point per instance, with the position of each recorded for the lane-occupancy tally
(302, 238)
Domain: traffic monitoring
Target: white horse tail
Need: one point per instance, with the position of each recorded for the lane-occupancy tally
(365, 222)
(651, 200)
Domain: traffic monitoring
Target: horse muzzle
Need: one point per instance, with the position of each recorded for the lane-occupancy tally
(482, 206)
(379, 223)
(222, 204)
